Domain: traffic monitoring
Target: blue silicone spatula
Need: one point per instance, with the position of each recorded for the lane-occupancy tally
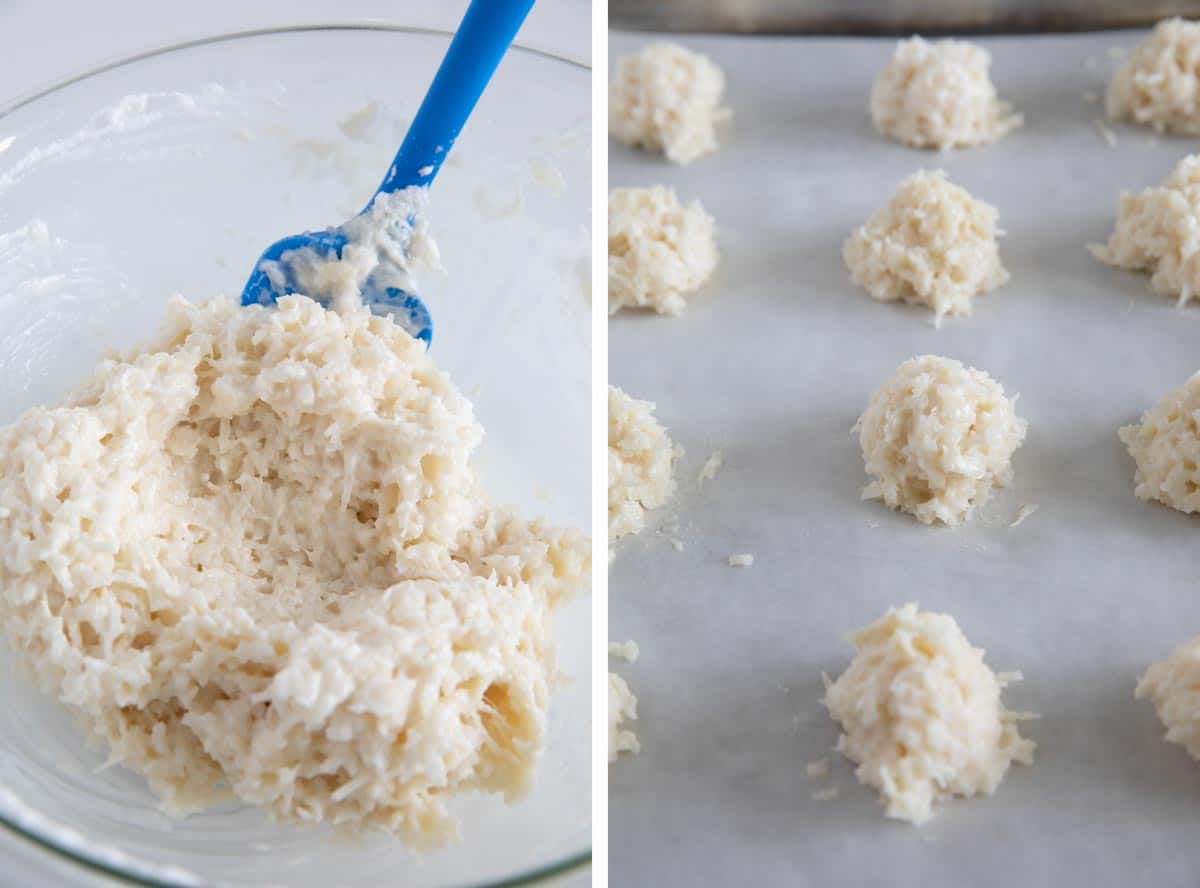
(486, 32)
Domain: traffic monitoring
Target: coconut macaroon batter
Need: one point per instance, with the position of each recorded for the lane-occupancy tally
(254, 558)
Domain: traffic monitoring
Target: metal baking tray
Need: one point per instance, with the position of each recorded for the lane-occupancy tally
(874, 17)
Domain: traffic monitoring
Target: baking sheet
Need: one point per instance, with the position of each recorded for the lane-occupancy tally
(773, 363)
(875, 17)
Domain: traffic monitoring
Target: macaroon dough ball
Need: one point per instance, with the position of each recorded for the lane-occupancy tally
(622, 708)
(667, 99)
(641, 462)
(1159, 84)
(939, 95)
(1173, 686)
(930, 244)
(937, 438)
(921, 714)
(1156, 233)
(659, 250)
(1165, 447)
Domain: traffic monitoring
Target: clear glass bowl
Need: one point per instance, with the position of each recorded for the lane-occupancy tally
(168, 173)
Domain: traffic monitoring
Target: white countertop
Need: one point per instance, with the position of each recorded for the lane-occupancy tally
(773, 363)
(41, 43)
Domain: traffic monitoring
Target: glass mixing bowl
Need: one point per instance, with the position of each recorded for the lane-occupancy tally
(168, 173)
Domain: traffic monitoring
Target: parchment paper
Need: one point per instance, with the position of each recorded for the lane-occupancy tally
(773, 363)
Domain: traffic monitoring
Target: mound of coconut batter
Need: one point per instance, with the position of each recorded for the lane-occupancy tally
(641, 461)
(921, 714)
(930, 244)
(667, 98)
(254, 558)
(622, 704)
(937, 437)
(1165, 447)
(939, 95)
(622, 708)
(1159, 84)
(1155, 233)
(658, 249)
(1173, 686)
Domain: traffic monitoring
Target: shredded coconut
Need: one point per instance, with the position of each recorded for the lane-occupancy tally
(1022, 513)
(921, 714)
(253, 557)
(659, 250)
(744, 559)
(937, 438)
(711, 466)
(1165, 447)
(667, 98)
(1159, 84)
(930, 244)
(627, 651)
(670, 528)
(622, 707)
(1155, 233)
(622, 704)
(818, 770)
(939, 95)
(1103, 131)
(641, 460)
(827, 794)
(1173, 686)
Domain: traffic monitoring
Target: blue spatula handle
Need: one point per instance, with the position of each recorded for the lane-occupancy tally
(484, 36)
